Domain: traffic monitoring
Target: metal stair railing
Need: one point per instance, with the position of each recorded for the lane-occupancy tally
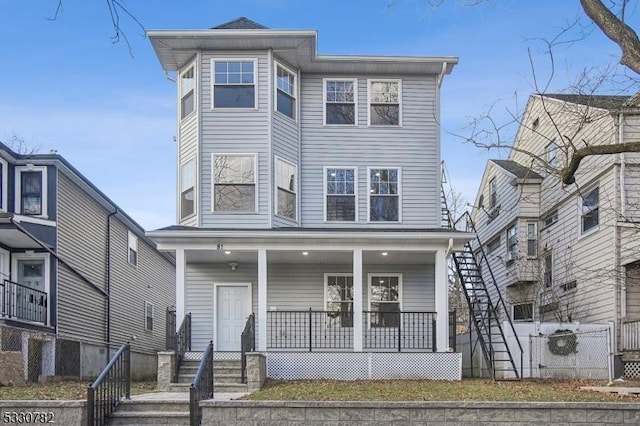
(247, 344)
(201, 387)
(182, 344)
(484, 314)
(113, 384)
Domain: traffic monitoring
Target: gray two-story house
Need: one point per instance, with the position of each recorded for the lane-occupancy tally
(309, 196)
(79, 277)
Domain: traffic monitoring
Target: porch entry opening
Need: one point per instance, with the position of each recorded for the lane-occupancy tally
(30, 300)
(232, 309)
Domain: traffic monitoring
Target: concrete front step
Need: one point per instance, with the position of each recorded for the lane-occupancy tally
(151, 412)
(217, 387)
(217, 378)
(189, 370)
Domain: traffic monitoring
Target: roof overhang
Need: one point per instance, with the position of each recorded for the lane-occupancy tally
(175, 48)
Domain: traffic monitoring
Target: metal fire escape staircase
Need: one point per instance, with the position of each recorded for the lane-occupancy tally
(485, 305)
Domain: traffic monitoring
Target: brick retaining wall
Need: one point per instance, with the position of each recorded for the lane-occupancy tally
(277, 413)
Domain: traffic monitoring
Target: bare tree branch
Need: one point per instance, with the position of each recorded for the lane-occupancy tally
(615, 28)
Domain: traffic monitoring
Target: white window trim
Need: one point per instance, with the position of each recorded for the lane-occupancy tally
(369, 194)
(536, 239)
(195, 190)
(325, 194)
(132, 243)
(326, 284)
(18, 185)
(510, 256)
(493, 189)
(193, 65)
(295, 90)
(47, 274)
(153, 315)
(544, 263)
(5, 185)
(533, 311)
(386, 80)
(275, 190)
(355, 101)
(596, 228)
(213, 180)
(384, 274)
(551, 147)
(255, 83)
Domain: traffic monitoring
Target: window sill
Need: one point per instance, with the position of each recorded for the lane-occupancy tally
(286, 117)
(355, 125)
(191, 216)
(288, 219)
(384, 126)
(588, 233)
(234, 213)
(188, 116)
(340, 222)
(234, 109)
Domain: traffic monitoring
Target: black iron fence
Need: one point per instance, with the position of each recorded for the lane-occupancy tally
(170, 329)
(114, 383)
(317, 330)
(23, 302)
(182, 343)
(202, 386)
(399, 330)
(247, 344)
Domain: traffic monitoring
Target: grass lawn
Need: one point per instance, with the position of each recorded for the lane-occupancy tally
(63, 390)
(425, 390)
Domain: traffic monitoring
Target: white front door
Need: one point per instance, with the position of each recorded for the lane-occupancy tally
(232, 310)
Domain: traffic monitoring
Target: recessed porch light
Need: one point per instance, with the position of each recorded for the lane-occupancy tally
(305, 253)
(227, 252)
(384, 253)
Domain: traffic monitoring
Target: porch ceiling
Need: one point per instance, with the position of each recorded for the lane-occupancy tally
(313, 256)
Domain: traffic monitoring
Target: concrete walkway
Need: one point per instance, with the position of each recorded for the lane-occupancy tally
(184, 396)
(613, 389)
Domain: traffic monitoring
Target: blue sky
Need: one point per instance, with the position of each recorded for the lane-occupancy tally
(67, 87)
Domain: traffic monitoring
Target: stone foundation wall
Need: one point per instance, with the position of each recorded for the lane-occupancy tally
(266, 413)
(40, 412)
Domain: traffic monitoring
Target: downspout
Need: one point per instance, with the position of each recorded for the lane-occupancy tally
(623, 202)
(449, 247)
(108, 298)
(441, 75)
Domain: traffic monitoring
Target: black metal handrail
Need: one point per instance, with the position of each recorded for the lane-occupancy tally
(202, 386)
(23, 302)
(399, 330)
(453, 331)
(247, 344)
(170, 329)
(105, 393)
(182, 343)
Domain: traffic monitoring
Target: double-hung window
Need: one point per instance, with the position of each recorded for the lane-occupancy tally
(493, 193)
(4, 181)
(340, 203)
(187, 188)
(384, 296)
(384, 102)
(552, 154)
(590, 210)
(234, 84)
(340, 101)
(547, 271)
(339, 297)
(512, 243)
(532, 239)
(286, 181)
(523, 311)
(133, 248)
(234, 183)
(148, 313)
(31, 191)
(285, 91)
(384, 195)
(187, 92)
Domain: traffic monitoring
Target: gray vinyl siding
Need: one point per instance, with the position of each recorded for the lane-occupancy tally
(413, 148)
(233, 131)
(152, 280)
(188, 149)
(82, 231)
(293, 287)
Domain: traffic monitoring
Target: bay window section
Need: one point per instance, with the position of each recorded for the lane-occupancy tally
(384, 195)
(285, 92)
(384, 296)
(234, 84)
(384, 103)
(340, 203)
(234, 186)
(187, 188)
(286, 182)
(187, 92)
(339, 296)
(340, 102)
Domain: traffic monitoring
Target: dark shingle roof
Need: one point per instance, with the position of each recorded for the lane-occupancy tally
(596, 101)
(518, 170)
(240, 23)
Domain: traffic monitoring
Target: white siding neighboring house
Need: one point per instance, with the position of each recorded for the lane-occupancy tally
(576, 250)
(316, 203)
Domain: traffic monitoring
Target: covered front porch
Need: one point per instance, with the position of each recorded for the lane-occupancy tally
(373, 293)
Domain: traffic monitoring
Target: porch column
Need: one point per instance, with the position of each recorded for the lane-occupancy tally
(180, 278)
(442, 302)
(262, 300)
(357, 300)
